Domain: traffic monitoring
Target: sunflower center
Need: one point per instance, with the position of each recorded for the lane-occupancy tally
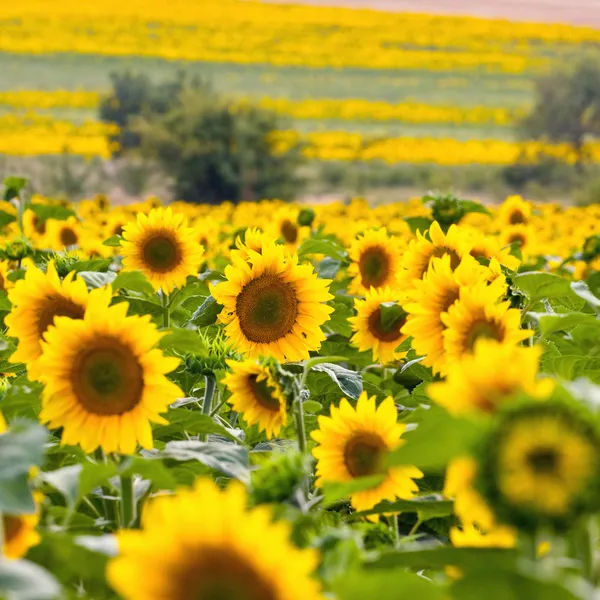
(12, 527)
(374, 266)
(107, 378)
(289, 231)
(517, 237)
(221, 574)
(363, 454)
(263, 393)
(57, 306)
(2, 282)
(267, 308)
(68, 237)
(483, 329)
(440, 251)
(39, 225)
(543, 460)
(516, 217)
(161, 253)
(118, 229)
(448, 298)
(389, 333)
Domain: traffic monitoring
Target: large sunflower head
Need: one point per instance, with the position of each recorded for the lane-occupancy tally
(374, 329)
(375, 259)
(354, 442)
(161, 246)
(256, 394)
(479, 313)
(475, 384)
(37, 300)
(541, 464)
(272, 306)
(205, 544)
(105, 379)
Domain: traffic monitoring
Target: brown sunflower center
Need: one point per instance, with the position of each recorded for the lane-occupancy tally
(161, 253)
(543, 461)
(447, 299)
(107, 377)
(483, 329)
(57, 306)
(374, 266)
(516, 217)
(267, 308)
(118, 229)
(2, 282)
(12, 527)
(263, 393)
(68, 237)
(215, 573)
(517, 237)
(364, 454)
(289, 231)
(440, 251)
(385, 333)
(39, 225)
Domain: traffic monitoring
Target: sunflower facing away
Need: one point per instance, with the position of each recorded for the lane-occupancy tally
(354, 443)
(206, 544)
(371, 333)
(163, 247)
(256, 395)
(105, 379)
(37, 300)
(375, 261)
(477, 384)
(272, 306)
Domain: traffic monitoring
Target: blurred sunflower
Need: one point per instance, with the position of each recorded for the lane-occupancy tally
(34, 227)
(161, 246)
(5, 282)
(475, 383)
(286, 228)
(375, 260)
(354, 443)
(372, 332)
(256, 394)
(105, 379)
(522, 236)
(273, 306)
(490, 247)
(63, 234)
(514, 211)
(211, 546)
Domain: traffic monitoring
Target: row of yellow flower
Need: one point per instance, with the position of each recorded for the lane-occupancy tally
(283, 35)
(38, 99)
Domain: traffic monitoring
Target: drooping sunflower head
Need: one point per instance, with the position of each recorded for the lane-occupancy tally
(541, 464)
(378, 324)
(211, 546)
(37, 300)
(272, 306)
(475, 384)
(375, 261)
(354, 442)
(514, 211)
(480, 312)
(105, 379)
(163, 247)
(256, 394)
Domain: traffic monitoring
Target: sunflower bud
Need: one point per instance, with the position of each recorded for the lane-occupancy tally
(447, 210)
(591, 248)
(18, 249)
(278, 479)
(306, 216)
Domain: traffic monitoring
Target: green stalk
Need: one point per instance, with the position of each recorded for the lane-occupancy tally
(128, 507)
(108, 505)
(209, 390)
(166, 309)
(300, 428)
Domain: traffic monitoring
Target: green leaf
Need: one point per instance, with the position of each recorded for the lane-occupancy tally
(350, 382)
(153, 470)
(184, 341)
(583, 291)
(438, 438)
(421, 224)
(196, 423)
(392, 314)
(338, 320)
(21, 448)
(207, 313)
(571, 366)
(13, 186)
(132, 280)
(94, 279)
(312, 407)
(24, 580)
(322, 245)
(537, 285)
(15, 495)
(333, 492)
(329, 267)
(428, 507)
(474, 207)
(6, 219)
(114, 241)
(230, 459)
(551, 323)
(394, 584)
(51, 211)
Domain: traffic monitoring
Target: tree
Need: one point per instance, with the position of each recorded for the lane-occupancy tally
(567, 107)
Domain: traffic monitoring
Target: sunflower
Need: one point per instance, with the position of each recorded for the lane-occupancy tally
(371, 333)
(490, 247)
(272, 305)
(256, 394)
(353, 443)
(514, 211)
(5, 282)
(205, 544)
(37, 300)
(34, 227)
(469, 535)
(63, 234)
(375, 260)
(252, 239)
(479, 313)
(105, 379)
(541, 464)
(161, 246)
(20, 531)
(286, 228)
(431, 298)
(420, 252)
(522, 236)
(493, 374)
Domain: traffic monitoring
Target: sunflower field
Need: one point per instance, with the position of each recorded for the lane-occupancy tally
(271, 401)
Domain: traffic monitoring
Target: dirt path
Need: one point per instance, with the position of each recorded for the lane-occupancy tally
(582, 12)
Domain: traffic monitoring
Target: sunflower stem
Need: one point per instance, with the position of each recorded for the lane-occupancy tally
(128, 507)
(108, 505)
(300, 429)
(166, 306)
(209, 391)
